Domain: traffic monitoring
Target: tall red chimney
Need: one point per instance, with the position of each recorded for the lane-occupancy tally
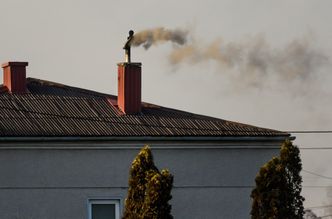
(129, 87)
(14, 76)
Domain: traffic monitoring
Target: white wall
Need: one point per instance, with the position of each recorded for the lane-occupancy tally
(55, 180)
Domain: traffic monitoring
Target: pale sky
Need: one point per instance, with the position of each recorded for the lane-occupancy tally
(79, 43)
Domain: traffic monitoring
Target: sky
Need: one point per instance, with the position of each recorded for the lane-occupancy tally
(276, 74)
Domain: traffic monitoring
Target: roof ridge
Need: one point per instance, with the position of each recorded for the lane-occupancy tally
(67, 87)
(43, 96)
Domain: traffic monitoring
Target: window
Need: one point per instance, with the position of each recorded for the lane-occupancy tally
(104, 209)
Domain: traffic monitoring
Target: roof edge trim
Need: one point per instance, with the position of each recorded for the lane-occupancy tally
(145, 138)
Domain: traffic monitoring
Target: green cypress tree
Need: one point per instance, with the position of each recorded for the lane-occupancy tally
(270, 183)
(158, 194)
(149, 190)
(141, 166)
(277, 193)
(290, 158)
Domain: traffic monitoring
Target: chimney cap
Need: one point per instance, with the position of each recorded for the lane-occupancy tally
(14, 64)
(131, 33)
(129, 39)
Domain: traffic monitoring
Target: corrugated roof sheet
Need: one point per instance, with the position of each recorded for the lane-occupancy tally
(52, 109)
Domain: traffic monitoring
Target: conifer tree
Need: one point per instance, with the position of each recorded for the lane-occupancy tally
(290, 158)
(149, 190)
(158, 193)
(277, 194)
(270, 182)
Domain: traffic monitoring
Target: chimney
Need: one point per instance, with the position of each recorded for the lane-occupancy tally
(129, 87)
(14, 76)
(129, 82)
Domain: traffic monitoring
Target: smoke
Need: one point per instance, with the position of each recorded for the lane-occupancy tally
(151, 37)
(253, 59)
(297, 59)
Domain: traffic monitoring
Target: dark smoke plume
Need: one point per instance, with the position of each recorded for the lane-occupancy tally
(154, 36)
(253, 58)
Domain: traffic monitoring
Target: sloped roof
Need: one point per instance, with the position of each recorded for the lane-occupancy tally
(52, 109)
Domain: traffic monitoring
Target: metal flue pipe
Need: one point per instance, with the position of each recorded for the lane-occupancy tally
(127, 45)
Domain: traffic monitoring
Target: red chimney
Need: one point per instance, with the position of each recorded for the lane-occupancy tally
(129, 87)
(14, 76)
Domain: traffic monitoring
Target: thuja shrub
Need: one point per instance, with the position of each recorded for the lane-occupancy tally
(277, 193)
(149, 189)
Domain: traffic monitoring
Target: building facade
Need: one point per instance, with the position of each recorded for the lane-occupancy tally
(65, 152)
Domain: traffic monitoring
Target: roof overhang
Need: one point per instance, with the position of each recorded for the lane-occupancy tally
(145, 138)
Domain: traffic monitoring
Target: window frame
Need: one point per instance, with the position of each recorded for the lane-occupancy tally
(97, 201)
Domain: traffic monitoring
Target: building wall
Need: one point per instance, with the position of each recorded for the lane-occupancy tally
(56, 180)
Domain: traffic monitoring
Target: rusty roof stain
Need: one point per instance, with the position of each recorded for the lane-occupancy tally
(53, 109)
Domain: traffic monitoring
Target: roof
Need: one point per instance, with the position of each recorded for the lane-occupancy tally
(53, 109)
